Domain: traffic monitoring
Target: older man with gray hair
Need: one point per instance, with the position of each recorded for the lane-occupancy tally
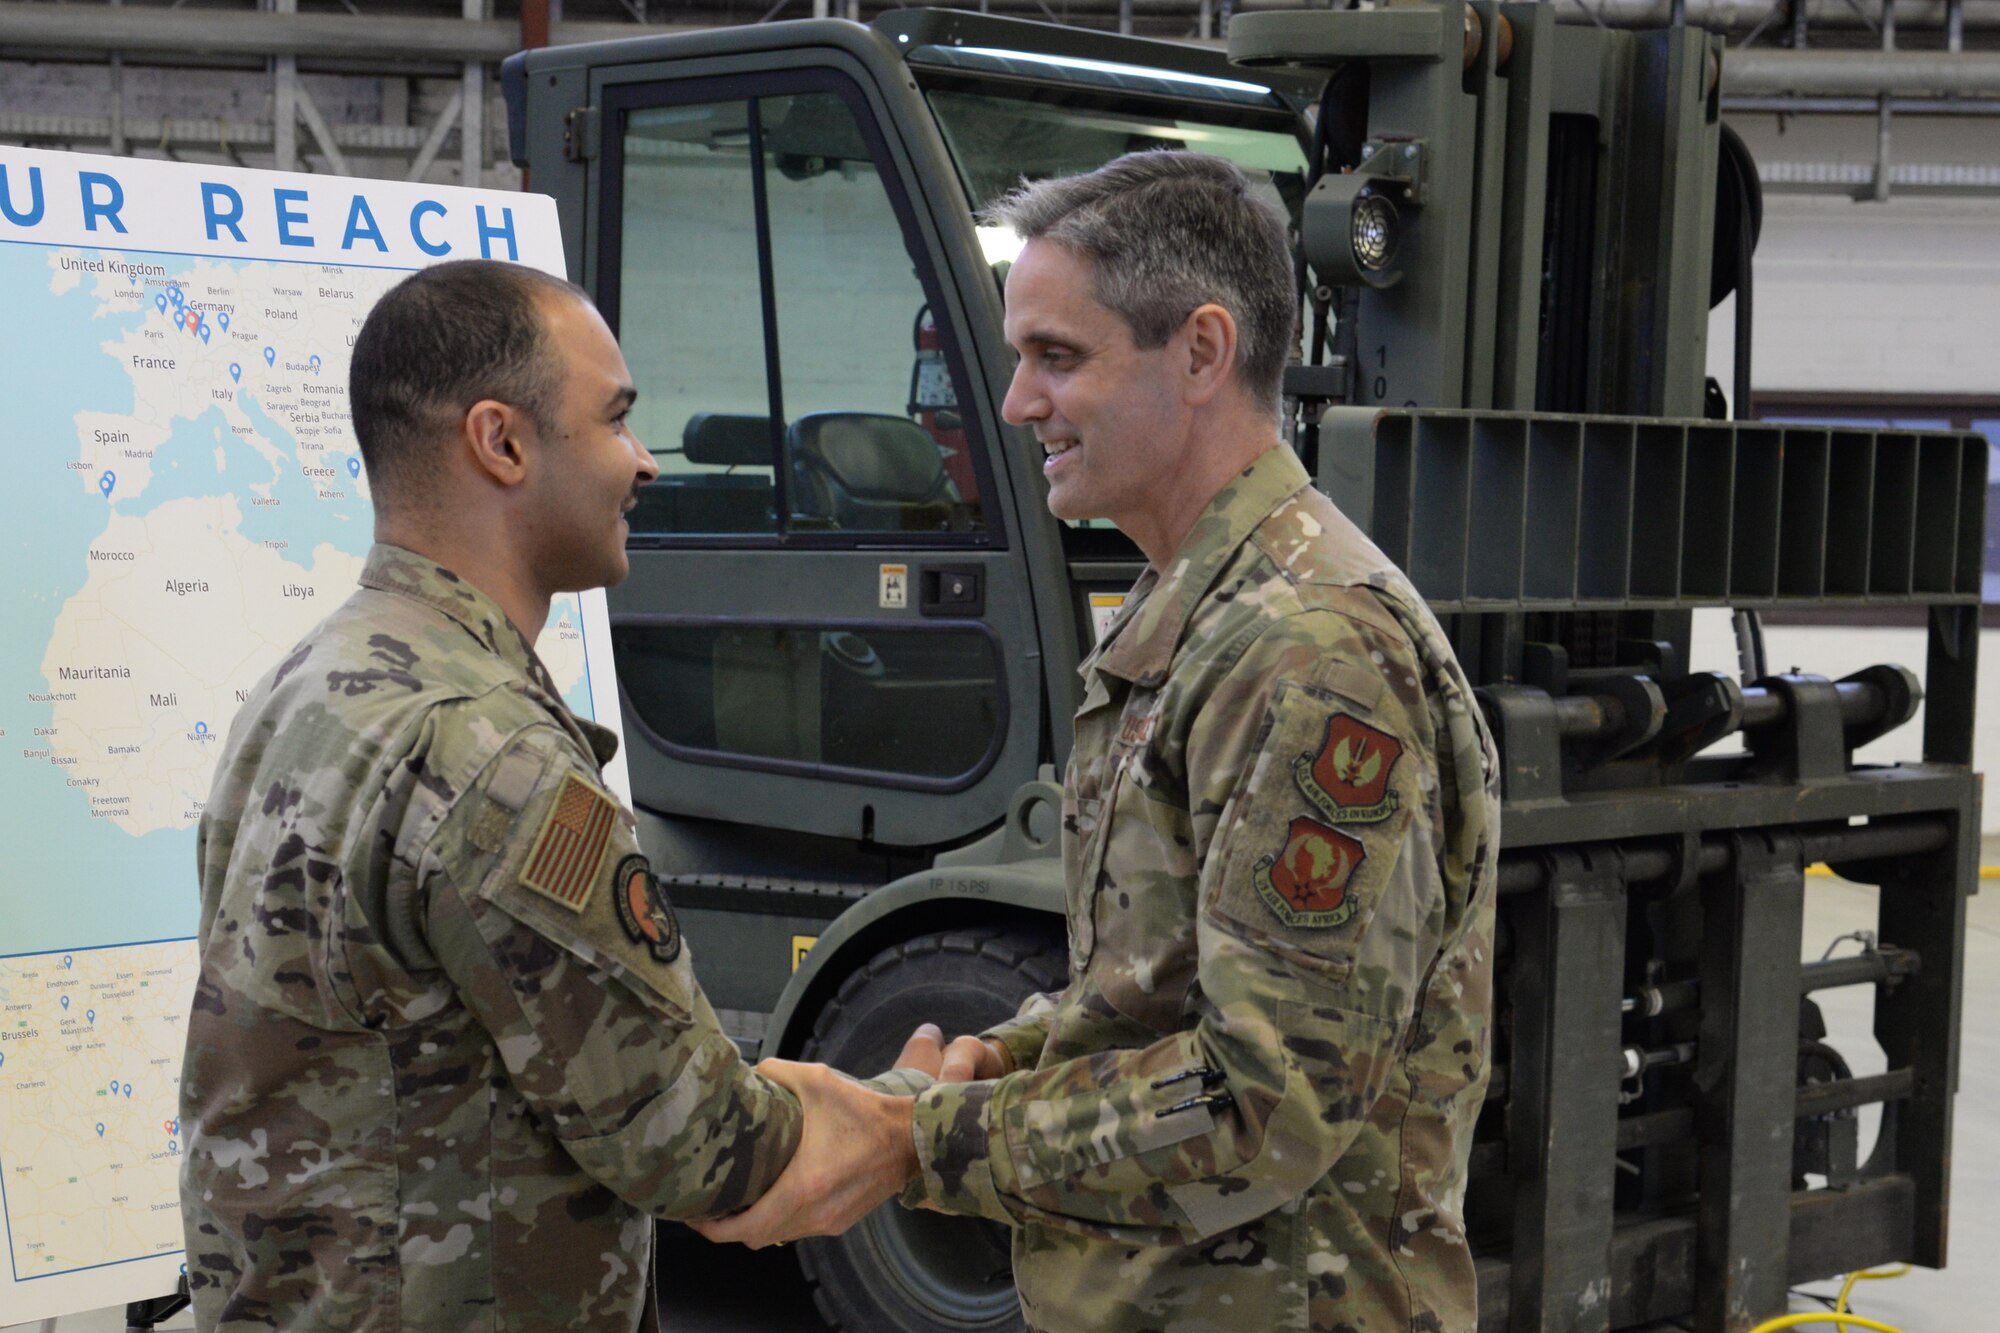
(1253, 1105)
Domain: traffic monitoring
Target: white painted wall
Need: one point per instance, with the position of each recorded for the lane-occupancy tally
(1894, 297)
(1897, 297)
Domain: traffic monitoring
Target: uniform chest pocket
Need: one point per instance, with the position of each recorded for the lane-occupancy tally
(1147, 887)
(1083, 855)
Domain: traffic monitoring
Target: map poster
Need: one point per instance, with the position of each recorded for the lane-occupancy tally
(183, 500)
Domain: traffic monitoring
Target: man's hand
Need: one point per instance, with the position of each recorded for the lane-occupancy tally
(925, 1052)
(856, 1153)
(969, 1058)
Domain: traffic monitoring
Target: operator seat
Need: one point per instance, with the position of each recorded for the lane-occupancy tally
(868, 472)
(714, 502)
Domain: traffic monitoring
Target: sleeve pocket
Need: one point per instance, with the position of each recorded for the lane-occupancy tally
(1062, 1137)
(1314, 837)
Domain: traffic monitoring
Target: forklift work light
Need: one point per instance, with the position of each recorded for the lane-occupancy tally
(1352, 232)
(1373, 227)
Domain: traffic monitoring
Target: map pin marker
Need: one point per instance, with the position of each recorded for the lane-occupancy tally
(223, 320)
(90, 1016)
(128, 1091)
(270, 356)
(3, 1058)
(177, 1126)
(201, 728)
(203, 331)
(173, 1146)
(100, 1129)
(106, 482)
(193, 320)
(314, 363)
(160, 303)
(171, 1126)
(236, 372)
(114, 1085)
(65, 1001)
(68, 962)
(354, 467)
(174, 295)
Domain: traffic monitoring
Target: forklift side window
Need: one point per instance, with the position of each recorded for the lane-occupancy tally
(874, 441)
(786, 323)
(690, 324)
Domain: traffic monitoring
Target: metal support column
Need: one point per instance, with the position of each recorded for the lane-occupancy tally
(536, 15)
(472, 114)
(119, 147)
(1882, 112)
(285, 101)
(1951, 666)
(1746, 1075)
(1567, 982)
(1922, 907)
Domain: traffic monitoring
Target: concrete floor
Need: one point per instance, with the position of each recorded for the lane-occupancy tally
(733, 1291)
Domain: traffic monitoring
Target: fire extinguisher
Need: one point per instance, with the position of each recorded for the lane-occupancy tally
(934, 404)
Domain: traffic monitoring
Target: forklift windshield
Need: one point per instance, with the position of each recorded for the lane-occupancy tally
(1001, 132)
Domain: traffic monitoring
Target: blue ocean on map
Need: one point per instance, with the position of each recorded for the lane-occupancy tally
(65, 876)
(68, 874)
(185, 467)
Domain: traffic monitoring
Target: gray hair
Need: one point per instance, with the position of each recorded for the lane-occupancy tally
(1167, 232)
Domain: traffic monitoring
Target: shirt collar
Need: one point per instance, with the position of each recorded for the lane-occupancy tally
(392, 569)
(1143, 644)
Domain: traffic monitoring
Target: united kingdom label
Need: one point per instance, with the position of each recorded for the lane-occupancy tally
(1347, 781)
(1305, 883)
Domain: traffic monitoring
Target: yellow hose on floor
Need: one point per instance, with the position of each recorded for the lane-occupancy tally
(1827, 1317)
(1865, 1275)
(1839, 1316)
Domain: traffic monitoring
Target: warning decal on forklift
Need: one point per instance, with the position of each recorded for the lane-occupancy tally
(895, 587)
(1104, 608)
(801, 946)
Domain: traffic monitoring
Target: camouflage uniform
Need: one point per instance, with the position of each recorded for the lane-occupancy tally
(446, 1059)
(1253, 1106)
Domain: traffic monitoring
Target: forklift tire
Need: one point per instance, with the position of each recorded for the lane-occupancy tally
(899, 1271)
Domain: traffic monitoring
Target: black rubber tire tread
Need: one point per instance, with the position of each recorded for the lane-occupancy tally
(1025, 958)
(1039, 957)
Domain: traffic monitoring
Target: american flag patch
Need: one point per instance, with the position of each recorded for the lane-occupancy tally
(563, 864)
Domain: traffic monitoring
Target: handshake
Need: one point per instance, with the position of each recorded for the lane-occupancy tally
(857, 1149)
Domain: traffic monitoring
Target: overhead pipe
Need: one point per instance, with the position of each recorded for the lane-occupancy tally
(1861, 73)
(386, 37)
(1862, 106)
(1743, 16)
